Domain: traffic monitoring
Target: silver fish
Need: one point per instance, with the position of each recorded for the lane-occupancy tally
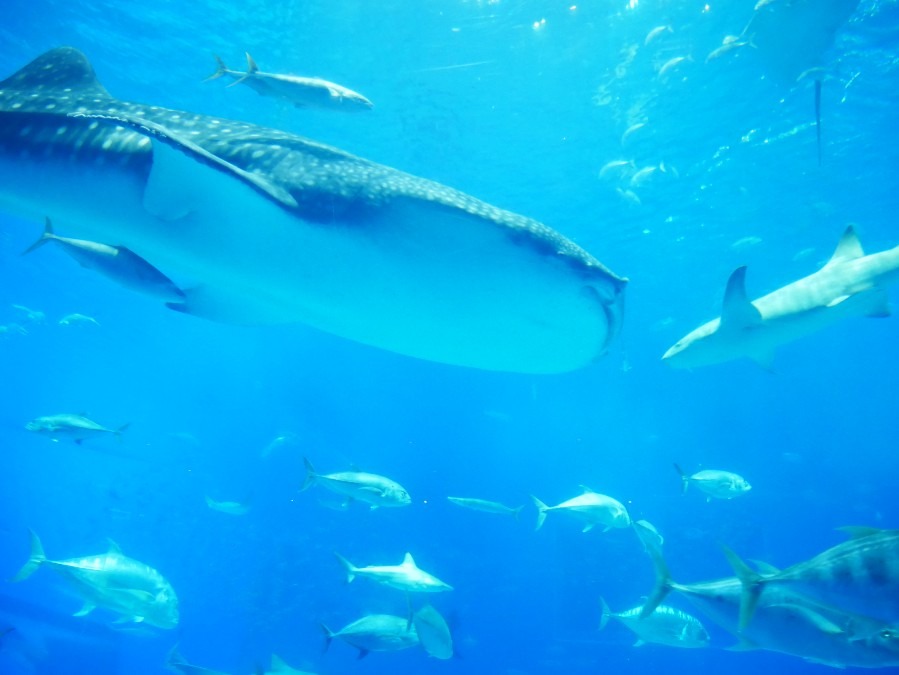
(116, 263)
(376, 633)
(303, 92)
(591, 507)
(370, 488)
(231, 508)
(486, 506)
(664, 625)
(715, 483)
(122, 585)
(275, 229)
(76, 428)
(433, 633)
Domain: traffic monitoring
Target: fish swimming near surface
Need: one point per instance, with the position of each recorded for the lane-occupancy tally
(302, 92)
(860, 575)
(787, 622)
(591, 507)
(273, 228)
(77, 428)
(715, 483)
(406, 576)
(486, 506)
(664, 626)
(127, 587)
(851, 284)
(370, 488)
(433, 632)
(376, 633)
(116, 263)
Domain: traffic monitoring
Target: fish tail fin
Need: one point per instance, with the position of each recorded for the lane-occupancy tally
(350, 568)
(37, 557)
(606, 613)
(663, 582)
(251, 65)
(751, 583)
(252, 69)
(541, 512)
(45, 237)
(220, 69)
(516, 513)
(118, 432)
(685, 479)
(329, 635)
(310, 475)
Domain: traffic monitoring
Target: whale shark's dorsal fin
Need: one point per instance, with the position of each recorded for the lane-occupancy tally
(849, 247)
(738, 312)
(58, 69)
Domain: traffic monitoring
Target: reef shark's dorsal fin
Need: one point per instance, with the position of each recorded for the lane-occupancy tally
(408, 561)
(57, 69)
(849, 247)
(738, 312)
(113, 547)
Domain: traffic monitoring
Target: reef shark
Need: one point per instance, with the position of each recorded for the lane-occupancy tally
(260, 226)
(850, 284)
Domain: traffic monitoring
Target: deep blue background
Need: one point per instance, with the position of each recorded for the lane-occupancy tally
(471, 94)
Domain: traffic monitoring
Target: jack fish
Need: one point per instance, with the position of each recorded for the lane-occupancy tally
(370, 488)
(275, 229)
(111, 580)
(77, 428)
(376, 633)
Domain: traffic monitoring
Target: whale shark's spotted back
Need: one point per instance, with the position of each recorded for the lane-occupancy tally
(54, 109)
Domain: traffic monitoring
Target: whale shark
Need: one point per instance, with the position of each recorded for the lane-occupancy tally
(259, 226)
(850, 284)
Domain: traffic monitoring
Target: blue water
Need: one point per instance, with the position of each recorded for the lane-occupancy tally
(520, 104)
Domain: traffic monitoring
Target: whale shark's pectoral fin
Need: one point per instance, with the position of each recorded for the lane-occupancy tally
(738, 312)
(179, 142)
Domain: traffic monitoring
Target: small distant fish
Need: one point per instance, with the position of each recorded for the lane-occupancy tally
(642, 176)
(280, 441)
(763, 3)
(433, 632)
(655, 33)
(671, 64)
(406, 576)
(76, 428)
(648, 535)
(665, 626)
(116, 263)
(591, 507)
(376, 633)
(11, 328)
(629, 196)
(302, 92)
(366, 487)
(630, 131)
(231, 508)
(486, 506)
(746, 242)
(729, 44)
(616, 166)
(176, 662)
(78, 320)
(32, 315)
(715, 483)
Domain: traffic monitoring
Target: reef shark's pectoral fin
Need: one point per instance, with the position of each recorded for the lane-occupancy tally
(738, 312)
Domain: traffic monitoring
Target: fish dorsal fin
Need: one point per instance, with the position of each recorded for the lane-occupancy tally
(408, 561)
(849, 247)
(57, 69)
(586, 490)
(859, 531)
(738, 312)
(251, 65)
(114, 547)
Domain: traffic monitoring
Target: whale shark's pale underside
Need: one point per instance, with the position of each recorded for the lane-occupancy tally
(261, 226)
